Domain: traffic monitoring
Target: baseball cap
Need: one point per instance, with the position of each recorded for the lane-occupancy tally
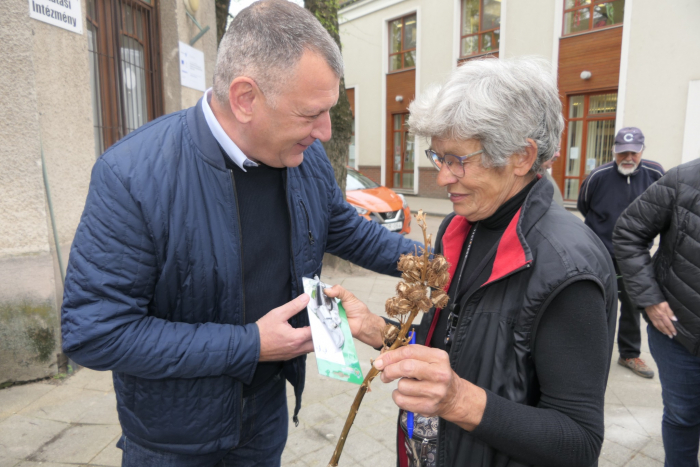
(629, 139)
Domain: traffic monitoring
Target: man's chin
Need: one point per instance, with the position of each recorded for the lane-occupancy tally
(625, 170)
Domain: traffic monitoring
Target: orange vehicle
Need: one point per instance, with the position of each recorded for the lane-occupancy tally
(377, 203)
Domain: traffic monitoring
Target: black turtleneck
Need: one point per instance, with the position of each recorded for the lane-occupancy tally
(480, 261)
(570, 429)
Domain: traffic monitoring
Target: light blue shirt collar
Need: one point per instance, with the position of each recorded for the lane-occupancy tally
(232, 150)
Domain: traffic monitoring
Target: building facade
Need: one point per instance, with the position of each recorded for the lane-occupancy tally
(77, 75)
(613, 66)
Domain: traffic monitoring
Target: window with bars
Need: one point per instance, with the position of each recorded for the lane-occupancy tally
(402, 43)
(590, 137)
(481, 27)
(586, 15)
(124, 59)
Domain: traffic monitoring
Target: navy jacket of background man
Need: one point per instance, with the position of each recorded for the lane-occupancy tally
(606, 193)
(154, 291)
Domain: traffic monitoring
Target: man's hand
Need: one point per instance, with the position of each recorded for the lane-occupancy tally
(662, 318)
(428, 385)
(364, 325)
(278, 339)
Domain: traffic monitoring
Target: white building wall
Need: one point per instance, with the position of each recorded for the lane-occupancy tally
(364, 37)
(663, 58)
(527, 28)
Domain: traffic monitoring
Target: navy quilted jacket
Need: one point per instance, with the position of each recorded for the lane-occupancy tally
(153, 289)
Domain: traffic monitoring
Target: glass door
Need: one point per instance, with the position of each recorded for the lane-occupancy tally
(590, 137)
(403, 154)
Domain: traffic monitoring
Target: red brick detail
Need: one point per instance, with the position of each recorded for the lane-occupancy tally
(373, 172)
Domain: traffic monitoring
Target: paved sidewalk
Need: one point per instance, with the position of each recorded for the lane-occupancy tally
(73, 422)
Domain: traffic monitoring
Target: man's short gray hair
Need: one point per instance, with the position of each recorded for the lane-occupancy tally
(265, 41)
(498, 102)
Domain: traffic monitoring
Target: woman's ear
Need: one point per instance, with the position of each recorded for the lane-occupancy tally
(523, 162)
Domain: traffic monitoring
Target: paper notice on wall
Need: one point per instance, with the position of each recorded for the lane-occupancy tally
(66, 14)
(192, 67)
(574, 153)
(590, 164)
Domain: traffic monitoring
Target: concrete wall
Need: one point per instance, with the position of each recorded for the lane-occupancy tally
(664, 56)
(46, 103)
(528, 28)
(177, 27)
(45, 95)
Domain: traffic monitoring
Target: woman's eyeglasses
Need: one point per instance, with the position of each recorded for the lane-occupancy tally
(455, 164)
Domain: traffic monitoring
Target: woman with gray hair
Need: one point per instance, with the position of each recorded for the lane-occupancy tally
(514, 368)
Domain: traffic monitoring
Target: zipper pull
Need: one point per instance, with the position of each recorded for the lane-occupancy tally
(311, 238)
(628, 179)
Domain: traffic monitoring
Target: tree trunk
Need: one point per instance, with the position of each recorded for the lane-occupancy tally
(222, 7)
(341, 117)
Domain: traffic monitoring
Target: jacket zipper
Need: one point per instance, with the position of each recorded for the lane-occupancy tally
(459, 318)
(308, 222)
(240, 260)
(295, 419)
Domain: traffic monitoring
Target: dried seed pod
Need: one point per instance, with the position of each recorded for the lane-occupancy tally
(415, 292)
(402, 289)
(411, 276)
(439, 298)
(438, 281)
(396, 306)
(438, 264)
(407, 263)
(390, 334)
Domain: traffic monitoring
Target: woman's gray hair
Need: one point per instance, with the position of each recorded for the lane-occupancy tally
(265, 41)
(498, 102)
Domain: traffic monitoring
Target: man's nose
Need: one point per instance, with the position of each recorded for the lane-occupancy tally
(445, 177)
(322, 127)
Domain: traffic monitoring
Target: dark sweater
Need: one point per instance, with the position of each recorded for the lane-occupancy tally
(566, 360)
(266, 248)
(606, 193)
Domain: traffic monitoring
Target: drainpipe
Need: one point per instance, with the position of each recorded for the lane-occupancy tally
(62, 361)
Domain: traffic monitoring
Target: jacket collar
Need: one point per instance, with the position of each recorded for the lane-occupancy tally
(203, 138)
(513, 251)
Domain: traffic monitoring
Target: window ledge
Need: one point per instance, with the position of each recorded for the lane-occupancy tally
(592, 31)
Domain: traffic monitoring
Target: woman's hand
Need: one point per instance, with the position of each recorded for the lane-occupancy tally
(662, 318)
(429, 386)
(364, 325)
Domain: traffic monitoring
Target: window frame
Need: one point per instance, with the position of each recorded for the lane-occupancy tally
(590, 8)
(585, 119)
(479, 33)
(110, 24)
(402, 51)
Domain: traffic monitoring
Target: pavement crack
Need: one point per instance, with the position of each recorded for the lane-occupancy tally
(34, 457)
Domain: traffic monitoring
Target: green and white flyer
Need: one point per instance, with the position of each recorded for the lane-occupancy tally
(333, 344)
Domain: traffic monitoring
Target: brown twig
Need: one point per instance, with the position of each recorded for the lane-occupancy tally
(400, 341)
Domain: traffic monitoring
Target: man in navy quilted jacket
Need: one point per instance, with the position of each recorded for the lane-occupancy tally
(185, 276)
(604, 195)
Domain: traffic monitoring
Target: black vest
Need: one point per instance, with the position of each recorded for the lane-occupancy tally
(544, 249)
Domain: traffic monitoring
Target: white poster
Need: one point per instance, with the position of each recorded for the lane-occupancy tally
(66, 14)
(574, 153)
(192, 67)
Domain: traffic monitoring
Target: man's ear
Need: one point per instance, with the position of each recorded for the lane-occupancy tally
(524, 162)
(241, 95)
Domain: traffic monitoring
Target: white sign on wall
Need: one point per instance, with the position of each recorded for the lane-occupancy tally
(66, 14)
(192, 67)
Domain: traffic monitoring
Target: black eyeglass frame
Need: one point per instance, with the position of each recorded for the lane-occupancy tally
(434, 158)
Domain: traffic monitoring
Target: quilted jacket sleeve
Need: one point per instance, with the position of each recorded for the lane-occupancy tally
(648, 216)
(367, 244)
(109, 285)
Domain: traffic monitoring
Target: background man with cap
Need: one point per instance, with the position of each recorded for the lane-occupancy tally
(604, 195)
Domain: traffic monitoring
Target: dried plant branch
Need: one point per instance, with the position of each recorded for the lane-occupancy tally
(422, 288)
